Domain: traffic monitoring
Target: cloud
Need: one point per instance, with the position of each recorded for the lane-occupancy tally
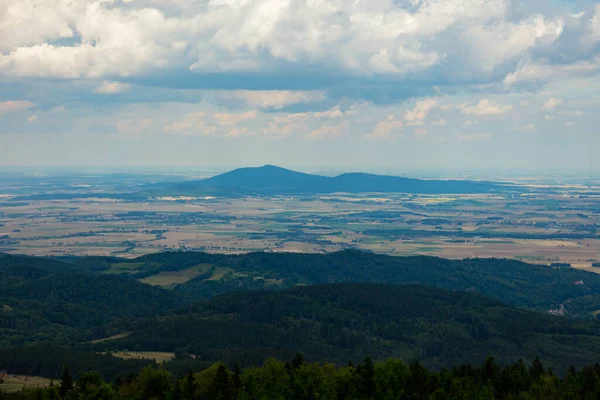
(575, 113)
(191, 124)
(14, 105)
(486, 107)
(234, 118)
(32, 119)
(470, 123)
(420, 132)
(552, 103)
(133, 127)
(277, 99)
(237, 132)
(285, 124)
(383, 129)
(468, 137)
(108, 87)
(539, 73)
(440, 122)
(530, 127)
(394, 40)
(57, 110)
(420, 111)
(329, 131)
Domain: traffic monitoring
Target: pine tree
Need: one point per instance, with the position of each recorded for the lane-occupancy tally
(537, 369)
(221, 386)
(298, 361)
(66, 382)
(236, 381)
(366, 374)
(177, 390)
(190, 385)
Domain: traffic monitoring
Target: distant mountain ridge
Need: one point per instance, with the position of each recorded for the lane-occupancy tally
(271, 180)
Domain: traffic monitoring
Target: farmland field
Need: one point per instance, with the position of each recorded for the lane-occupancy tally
(14, 383)
(548, 223)
(170, 278)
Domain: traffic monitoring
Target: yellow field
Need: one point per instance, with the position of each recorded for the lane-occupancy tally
(219, 273)
(148, 355)
(14, 383)
(170, 278)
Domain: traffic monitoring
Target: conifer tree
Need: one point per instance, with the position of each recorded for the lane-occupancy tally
(66, 382)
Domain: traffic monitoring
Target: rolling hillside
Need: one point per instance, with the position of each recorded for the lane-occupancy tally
(512, 282)
(342, 322)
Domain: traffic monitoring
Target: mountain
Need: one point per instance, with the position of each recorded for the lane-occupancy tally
(341, 322)
(272, 180)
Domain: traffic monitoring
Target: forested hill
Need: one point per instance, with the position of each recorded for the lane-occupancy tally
(69, 307)
(512, 282)
(341, 322)
(272, 180)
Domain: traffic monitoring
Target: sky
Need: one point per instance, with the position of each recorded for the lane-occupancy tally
(342, 84)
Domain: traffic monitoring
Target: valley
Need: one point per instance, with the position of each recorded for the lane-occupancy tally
(544, 224)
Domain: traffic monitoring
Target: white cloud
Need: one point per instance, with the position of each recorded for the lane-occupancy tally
(329, 131)
(440, 122)
(237, 132)
(575, 113)
(191, 124)
(470, 123)
(383, 129)
(16, 105)
(104, 38)
(495, 44)
(57, 110)
(420, 132)
(486, 107)
(530, 127)
(108, 87)
(235, 118)
(133, 127)
(536, 72)
(276, 99)
(552, 103)
(32, 119)
(420, 110)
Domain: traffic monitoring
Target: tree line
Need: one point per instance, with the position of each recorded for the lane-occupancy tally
(299, 380)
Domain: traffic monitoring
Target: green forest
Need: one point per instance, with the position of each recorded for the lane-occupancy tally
(440, 316)
(298, 379)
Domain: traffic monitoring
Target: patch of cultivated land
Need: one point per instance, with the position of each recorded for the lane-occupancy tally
(219, 273)
(170, 278)
(157, 356)
(508, 226)
(119, 268)
(14, 383)
(113, 337)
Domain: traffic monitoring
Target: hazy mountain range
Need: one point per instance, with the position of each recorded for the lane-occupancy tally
(273, 180)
